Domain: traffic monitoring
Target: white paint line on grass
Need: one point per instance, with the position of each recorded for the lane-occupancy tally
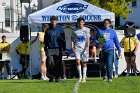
(76, 87)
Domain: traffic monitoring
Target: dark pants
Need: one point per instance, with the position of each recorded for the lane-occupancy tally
(8, 67)
(54, 63)
(24, 61)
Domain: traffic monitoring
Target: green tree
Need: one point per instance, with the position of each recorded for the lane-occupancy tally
(119, 7)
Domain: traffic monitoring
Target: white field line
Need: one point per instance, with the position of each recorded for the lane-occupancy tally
(76, 87)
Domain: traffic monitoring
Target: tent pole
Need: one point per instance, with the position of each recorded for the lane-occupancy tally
(30, 63)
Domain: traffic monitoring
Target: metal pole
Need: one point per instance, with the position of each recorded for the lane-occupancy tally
(2, 27)
(30, 62)
(12, 15)
(21, 11)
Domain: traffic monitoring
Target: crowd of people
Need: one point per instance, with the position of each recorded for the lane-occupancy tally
(84, 44)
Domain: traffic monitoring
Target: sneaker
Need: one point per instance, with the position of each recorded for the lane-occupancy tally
(46, 78)
(43, 78)
(65, 78)
(116, 76)
(16, 77)
(9, 77)
(80, 79)
(57, 80)
(51, 80)
(128, 74)
(109, 80)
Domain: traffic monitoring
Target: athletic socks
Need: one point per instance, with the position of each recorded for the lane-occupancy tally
(84, 72)
(79, 70)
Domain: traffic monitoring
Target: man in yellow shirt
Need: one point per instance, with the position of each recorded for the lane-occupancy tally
(24, 51)
(130, 48)
(5, 48)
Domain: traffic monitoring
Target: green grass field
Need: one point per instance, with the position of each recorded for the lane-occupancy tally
(93, 85)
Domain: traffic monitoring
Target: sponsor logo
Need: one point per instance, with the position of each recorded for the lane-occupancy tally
(72, 8)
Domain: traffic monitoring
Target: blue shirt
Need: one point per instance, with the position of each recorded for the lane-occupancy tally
(55, 38)
(110, 38)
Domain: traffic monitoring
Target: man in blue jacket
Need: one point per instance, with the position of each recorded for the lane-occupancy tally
(107, 38)
(54, 41)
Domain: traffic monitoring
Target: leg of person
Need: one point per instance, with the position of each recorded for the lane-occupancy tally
(85, 56)
(127, 59)
(58, 64)
(2, 69)
(8, 67)
(134, 65)
(27, 59)
(110, 64)
(64, 70)
(103, 61)
(78, 57)
(50, 64)
(84, 64)
(90, 52)
(43, 66)
(94, 53)
(22, 57)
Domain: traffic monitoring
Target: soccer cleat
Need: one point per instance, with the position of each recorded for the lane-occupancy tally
(80, 79)
(116, 76)
(84, 80)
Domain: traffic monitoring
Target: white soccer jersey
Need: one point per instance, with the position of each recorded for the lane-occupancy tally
(80, 37)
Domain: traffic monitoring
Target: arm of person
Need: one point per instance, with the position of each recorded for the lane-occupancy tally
(17, 49)
(46, 40)
(117, 44)
(63, 40)
(7, 48)
(122, 42)
(88, 39)
(33, 41)
(137, 45)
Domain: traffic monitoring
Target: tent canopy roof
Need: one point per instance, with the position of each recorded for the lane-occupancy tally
(69, 10)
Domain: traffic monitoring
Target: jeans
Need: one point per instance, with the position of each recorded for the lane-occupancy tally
(108, 59)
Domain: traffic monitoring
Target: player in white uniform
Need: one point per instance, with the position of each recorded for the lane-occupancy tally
(80, 46)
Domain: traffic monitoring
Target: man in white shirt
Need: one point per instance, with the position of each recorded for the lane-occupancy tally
(80, 46)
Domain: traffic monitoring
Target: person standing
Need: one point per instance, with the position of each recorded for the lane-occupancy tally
(55, 45)
(130, 49)
(42, 53)
(23, 50)
(5, 48)
(92, 47)
(107, 37)
(80, 46)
